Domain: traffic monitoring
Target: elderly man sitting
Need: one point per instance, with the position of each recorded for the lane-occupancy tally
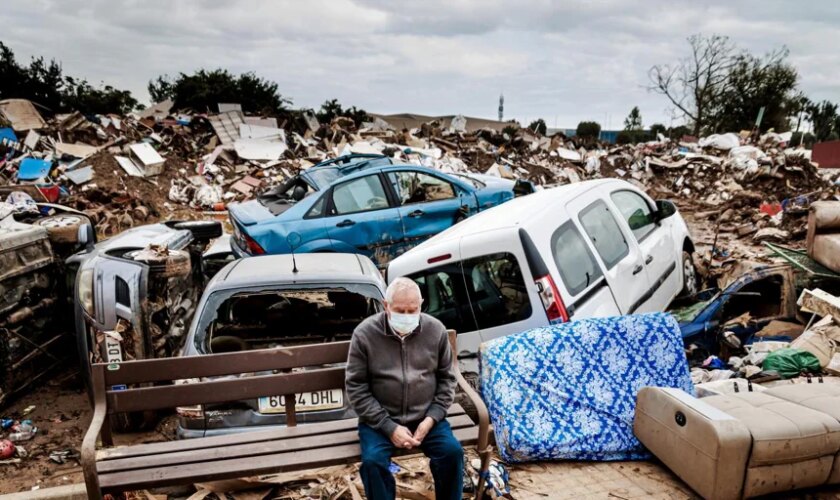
(399, 382)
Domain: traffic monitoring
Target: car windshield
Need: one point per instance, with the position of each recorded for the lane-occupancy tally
(323, 176)
(261, 318)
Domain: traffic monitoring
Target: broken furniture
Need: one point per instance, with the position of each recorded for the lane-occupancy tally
(823, 239)
(142, 466)
(744, 444)
(567, 391)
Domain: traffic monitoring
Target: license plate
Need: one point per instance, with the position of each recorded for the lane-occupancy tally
(307, 401)
(113, 350)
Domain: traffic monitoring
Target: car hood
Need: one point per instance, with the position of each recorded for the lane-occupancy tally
(249, 212)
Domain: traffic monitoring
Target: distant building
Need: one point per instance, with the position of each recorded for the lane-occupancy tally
(826, 154)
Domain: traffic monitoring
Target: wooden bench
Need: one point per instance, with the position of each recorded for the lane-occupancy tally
(141, 466)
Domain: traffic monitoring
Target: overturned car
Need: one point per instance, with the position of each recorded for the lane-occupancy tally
(136, 293)
(34, 304)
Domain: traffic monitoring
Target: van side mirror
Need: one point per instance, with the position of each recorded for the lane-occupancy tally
(86, 237)
(665, 209)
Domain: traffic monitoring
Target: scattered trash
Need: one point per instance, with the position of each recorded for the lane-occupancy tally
(62, 456)
(791, 363)
(22, 431)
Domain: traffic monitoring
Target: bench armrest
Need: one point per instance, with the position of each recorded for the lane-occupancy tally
(483, 445)
(100, 414)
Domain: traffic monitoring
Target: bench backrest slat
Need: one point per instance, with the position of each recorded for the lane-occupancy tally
(222, 391)
(217, 365)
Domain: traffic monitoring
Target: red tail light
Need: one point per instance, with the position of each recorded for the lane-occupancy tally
(254, 248)
(552, 302)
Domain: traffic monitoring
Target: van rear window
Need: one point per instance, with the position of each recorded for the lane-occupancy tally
(481, 292)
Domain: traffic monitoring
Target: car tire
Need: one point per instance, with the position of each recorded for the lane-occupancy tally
(201, 229)
(689, 275)
(176, 264)
(63, 228)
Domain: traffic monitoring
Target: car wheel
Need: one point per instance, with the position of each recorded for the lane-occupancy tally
(689, 275)
(174, 264)
(62, 228)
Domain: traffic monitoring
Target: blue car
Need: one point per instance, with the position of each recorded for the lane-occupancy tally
(745, 306)
(362, 204)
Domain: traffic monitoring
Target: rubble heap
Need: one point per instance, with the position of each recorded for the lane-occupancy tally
(128, 170)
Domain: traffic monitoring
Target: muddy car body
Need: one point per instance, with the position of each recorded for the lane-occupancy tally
(745, 306)
(135, 293)
(34, 305)
(275, 302)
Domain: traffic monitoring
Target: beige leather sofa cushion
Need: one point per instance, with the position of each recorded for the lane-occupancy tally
(824, 398)
(821, 397)
(825, 214)
(705, 447)
(782, 432)
(826, 250)
(785, 477)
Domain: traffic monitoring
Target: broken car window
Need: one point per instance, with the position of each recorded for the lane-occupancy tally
(417, 187)
(359, 195)
(636, 212)
(759, 299)
(604, 232)
(240, 321)
(574, 260)
(318, 208)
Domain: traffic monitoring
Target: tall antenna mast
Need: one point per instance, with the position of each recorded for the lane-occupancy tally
(502, 107)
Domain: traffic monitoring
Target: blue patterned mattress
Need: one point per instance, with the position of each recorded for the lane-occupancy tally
(568, 391)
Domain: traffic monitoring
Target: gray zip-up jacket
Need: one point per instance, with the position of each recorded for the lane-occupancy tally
(393, 380)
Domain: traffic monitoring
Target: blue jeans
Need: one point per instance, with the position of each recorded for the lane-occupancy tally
(446, 459)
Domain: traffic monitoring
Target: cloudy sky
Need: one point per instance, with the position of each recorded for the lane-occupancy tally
(562, 61)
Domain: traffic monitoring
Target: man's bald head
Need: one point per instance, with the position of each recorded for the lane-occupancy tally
(403, 296)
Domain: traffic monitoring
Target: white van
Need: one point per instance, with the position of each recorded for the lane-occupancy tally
(594, 248)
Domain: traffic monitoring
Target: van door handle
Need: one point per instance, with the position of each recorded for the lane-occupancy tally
(649, 259)
(637, 269)
(417, 213)
(345, 223)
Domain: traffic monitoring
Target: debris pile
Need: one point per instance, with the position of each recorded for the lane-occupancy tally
(127, 170)
(782, 351)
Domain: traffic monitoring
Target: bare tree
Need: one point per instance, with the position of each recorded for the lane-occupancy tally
(695, 83)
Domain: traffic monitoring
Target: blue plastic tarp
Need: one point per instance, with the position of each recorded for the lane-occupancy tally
(568, 391)
(32, 169)
(7, 136)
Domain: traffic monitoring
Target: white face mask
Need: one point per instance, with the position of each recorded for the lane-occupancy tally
(404, 323)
